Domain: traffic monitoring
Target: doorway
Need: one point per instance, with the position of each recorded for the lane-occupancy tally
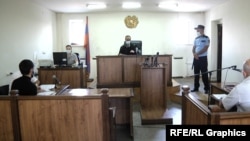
(219, 51)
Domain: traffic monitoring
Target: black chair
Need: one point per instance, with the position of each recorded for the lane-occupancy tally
(78, 57)
(4, 90)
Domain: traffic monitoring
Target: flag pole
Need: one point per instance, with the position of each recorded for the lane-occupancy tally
(87, 50)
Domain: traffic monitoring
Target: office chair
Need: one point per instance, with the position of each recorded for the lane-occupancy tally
(78, 58)
(4, 90)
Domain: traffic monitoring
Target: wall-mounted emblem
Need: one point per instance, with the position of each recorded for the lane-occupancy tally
(131, 21)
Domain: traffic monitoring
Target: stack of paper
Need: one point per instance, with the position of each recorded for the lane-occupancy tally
(219, 96)
(47, 93)
(47, 89)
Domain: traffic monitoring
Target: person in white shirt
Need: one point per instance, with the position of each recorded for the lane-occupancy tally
(239, 96)
(71, 57)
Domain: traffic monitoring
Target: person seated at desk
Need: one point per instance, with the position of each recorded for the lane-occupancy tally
(23, 84)
(71, 57)
(239, 96)
(18, 74)
(127, 48)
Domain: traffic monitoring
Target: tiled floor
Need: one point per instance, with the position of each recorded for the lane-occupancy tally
(149, 132)
(154, 132)
(141, 132)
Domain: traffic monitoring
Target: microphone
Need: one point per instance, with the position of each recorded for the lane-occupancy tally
(146, 62)
(235, 68)
(56, 81)
(136, 50)
(239, 70)
(156, 59)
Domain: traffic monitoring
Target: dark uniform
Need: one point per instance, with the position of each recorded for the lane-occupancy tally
(126, 49)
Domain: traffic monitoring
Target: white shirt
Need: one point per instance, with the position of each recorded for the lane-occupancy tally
(72, 59)
(200, 42)
(239, 96)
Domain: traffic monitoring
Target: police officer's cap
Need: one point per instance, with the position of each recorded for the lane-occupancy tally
(200, 27)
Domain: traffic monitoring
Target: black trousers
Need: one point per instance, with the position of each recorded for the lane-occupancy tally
(200, 67)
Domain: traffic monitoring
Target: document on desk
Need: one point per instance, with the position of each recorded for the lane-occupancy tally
(47, 93)
(219, 96)
(47, 89)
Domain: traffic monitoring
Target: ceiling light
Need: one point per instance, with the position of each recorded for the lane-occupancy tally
(129, 5)
(96, 6)
(169, 4)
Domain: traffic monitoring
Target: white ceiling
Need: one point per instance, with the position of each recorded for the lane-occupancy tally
(79, 6)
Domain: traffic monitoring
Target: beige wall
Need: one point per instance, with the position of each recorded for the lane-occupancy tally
(166, 33)
(29, 30)
(234, 17)
(26, 29)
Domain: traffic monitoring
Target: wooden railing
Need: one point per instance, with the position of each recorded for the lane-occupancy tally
(55, 118)
(196, 112)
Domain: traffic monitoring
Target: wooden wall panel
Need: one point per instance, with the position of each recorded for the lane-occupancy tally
(235, 121)
(46, 76)
(195, 115)
(153, 88)
(132, 69)
(168, 65)
(123, 112)
(61, 120)
(109, 70)
(232, 118)
(72, 78)
(75, 77)
(126, 70)
(6, 129)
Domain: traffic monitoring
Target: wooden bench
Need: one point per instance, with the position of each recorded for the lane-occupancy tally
(119, 98)
(6, 124)
(56, 118)
(196, 112)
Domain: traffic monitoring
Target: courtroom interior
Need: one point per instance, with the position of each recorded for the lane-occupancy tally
(108, 96)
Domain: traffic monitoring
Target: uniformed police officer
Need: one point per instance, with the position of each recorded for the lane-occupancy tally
(201, 44)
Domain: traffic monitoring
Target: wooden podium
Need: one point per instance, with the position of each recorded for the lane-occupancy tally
(153, 93)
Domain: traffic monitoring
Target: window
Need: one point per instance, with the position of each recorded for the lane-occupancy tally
(76, 32)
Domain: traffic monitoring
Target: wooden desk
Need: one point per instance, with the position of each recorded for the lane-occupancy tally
(55, 118)
(52, 91)
(75, 77)
(56, 91)
(125, 71)
(219, 88)
(118, 97)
